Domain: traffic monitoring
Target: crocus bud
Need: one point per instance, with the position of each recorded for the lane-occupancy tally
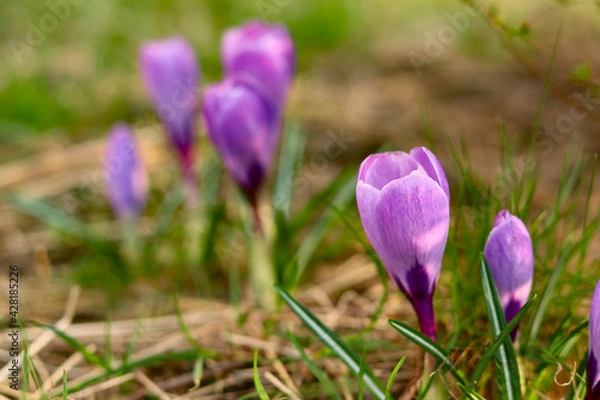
(124, 173)
(509, 254)
(593, 363)
(404, 205)
(263, 56)
(171, 76)
(242, 127)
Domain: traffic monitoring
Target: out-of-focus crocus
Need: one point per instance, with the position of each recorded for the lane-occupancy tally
(404, 205)
(243, 128)
(124, 173)
(593, 363)
(171, 75)
(263, 56)
(509, 254)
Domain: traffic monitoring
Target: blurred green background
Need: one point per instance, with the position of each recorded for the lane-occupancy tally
(70, 66)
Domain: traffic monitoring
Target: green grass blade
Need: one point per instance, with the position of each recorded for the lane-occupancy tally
(390, 381)
(335, 344)
(547, 295)
(188, 334)
(556, 348)
(53, 217)
(381, 271)
(328, 385)
(506, 353)
(150, 361)
(90, 357)
(315, 204)
(198, 371)
(498, 340)
(133, 340)
(62, 223)
(318, 231)
(65, 391)
(260, 389)
(429, 346)
(292, 149)
(470, 393)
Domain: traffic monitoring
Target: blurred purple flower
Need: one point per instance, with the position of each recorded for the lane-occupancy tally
(124, 173)
(593, 363)
(263, 56)
(509, 254)
(404, 205)
(171, 75)
(243, 128)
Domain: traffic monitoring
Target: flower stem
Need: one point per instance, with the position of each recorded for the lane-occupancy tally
(262, 273)
(424, 309)
(195, 230)
(131, 243)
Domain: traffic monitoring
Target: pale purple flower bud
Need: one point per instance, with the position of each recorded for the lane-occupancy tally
(593, 363)
(509, 254)
(404, 205)
(171, 75)
(124, 173)
(263, 56)
(242, 127)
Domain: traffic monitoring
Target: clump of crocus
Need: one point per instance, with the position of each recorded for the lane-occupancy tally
(263, 56)
(124, 173)
(243, 113)
(404, 205)
(509, 254)
(171, 75)
(593, 363)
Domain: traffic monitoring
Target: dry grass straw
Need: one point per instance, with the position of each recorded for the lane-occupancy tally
(213, 324)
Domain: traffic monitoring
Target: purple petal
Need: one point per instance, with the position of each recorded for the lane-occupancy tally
(171, 75)
(242, 128)
(509, 254)
(593, 364)
(407, 224)
(380, 169)
(263, 56)
(502, 217)
(124, 173)
(429, 162)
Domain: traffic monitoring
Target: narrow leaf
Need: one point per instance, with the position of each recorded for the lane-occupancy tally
(292, 148)
(260, 389)
(498, 341)
(429, 346)
(390, 381)
(317, 233)
(334, 343)
(506, 353)
(65, 391)
(328, 385)
(90, 357)
(470, 393)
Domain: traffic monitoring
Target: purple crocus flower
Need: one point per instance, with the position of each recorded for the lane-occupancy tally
(593, 363)
(171, 75)
(404, 205)
(263, 56)
(124, 173)
(243, 128)
(509, 254)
